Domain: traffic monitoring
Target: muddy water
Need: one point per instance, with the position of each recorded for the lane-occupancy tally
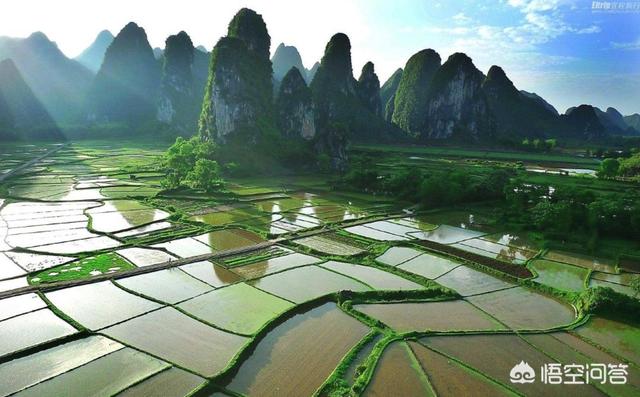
(238, 308)
(429, 266)
(397, 255)
(296, 357)
(305, 283)
(434, 316)
(559, 275)
(617, 337)
(519, 308)
(496, 355)
(180, 339)
(212, 274)
(31, 329)
(169, 285)
(375, 278)
(450, 379)
(397, 373)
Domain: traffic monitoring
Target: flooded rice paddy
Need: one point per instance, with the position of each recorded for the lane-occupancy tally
(111, 286)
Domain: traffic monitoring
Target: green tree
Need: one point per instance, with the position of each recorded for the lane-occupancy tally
(191, 163)
(205, 175)
(609, 168)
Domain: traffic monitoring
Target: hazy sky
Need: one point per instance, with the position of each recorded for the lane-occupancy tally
(564, 50)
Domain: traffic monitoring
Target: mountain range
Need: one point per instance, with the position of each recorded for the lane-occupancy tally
(123, 81)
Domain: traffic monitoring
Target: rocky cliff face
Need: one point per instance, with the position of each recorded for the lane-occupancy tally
(335, 97)
(22, 115)
(238, 98)
(284, 58)
(126, 86)
(456, 104)
(179, 96)
(294, 104)
(410, 104)
(388, 94)
(369, 89)
(92, 57)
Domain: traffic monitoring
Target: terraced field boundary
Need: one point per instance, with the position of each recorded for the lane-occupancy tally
(31, 162)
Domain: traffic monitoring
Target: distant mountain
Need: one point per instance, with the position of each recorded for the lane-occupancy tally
(294, 107)
(180, 96)
(456, 104)
(126, 86)
(369, 89)
(540, 100)
(388, 93)
(633, 121)
(7, 124)
(92, 57)
(22, 116)
(516, 113)
(200, 69)
(583, 122)
(57, 81)
(310, 73)
(284, 58)
(157, 52)
(611, 123)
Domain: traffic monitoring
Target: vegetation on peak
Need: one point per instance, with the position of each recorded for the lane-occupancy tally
(248, 26)
(410, 101)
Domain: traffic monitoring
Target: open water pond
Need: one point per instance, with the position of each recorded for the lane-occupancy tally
(588, 262)
(186, 247)
(392, 228)
(31, 329)
(429, 266)
(397, 255)
(180, 339)
(19, 304)
(145, 256)
(8, 268)
(467, 281)
(623, 289)
(99, 305)
(269, 266)
(296, 357)
(622, 278)
(210, 273)
(442, 316)
(560, 275)
(520, 308)
(77, 246)
(238, 308)
(374, 234)
(102, 377)
(172, 382)
(119, 215)
(445, 234)
(330, 244)
(398, 373)
(26, 371)
(230, 239)
(496, 251)
(168, 285)
(305, 283)
(373, 277)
